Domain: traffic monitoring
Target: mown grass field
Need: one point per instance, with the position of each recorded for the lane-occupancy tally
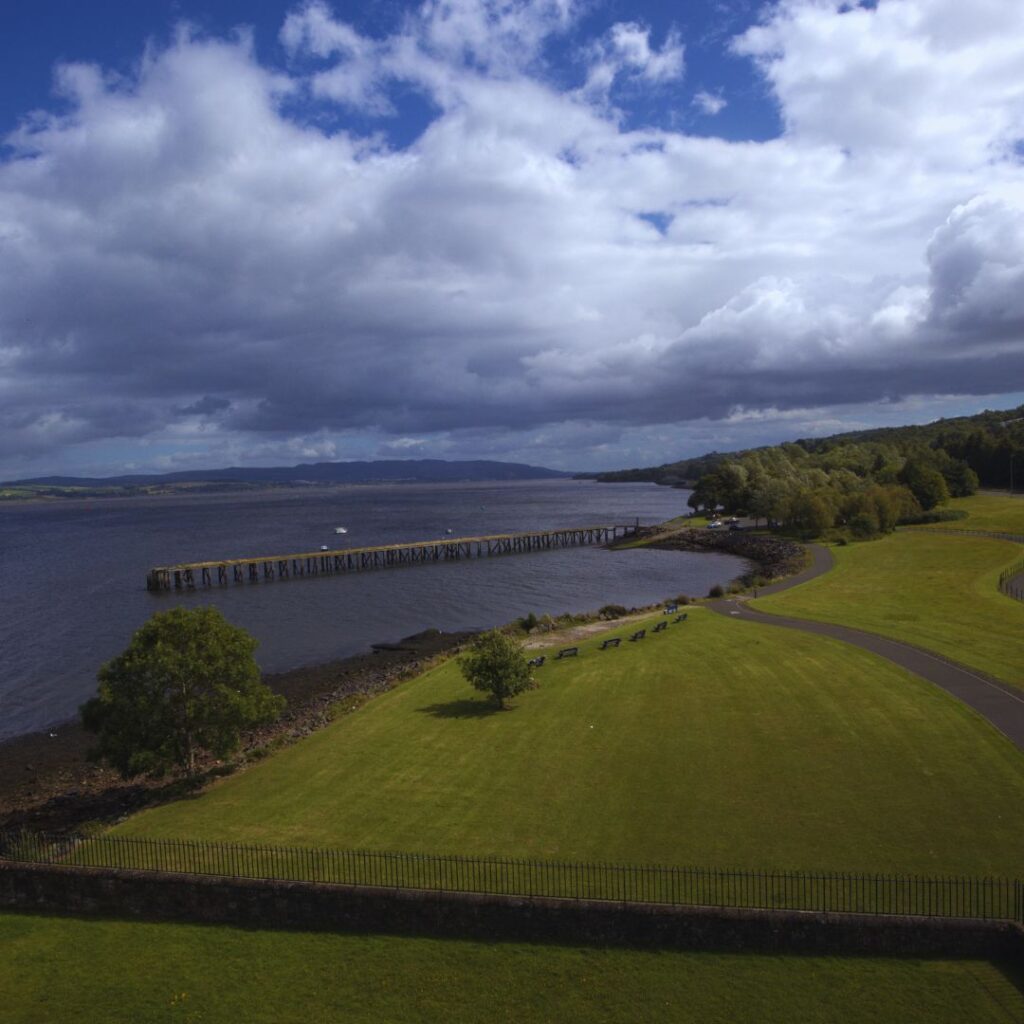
(714, 743)
(938, 591)
(108, 972)
(988, 510)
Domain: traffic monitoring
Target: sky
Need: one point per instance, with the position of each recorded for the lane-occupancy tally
(579, 234)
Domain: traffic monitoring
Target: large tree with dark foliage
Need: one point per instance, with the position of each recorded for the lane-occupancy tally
(186, 683)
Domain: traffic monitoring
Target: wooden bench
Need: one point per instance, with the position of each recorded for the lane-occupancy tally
(660, 626)
(612, 642)
(568, 652)
(681, 618)
(536, 662)
(639, 634)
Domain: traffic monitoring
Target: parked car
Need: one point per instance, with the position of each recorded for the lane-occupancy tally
(714, 524)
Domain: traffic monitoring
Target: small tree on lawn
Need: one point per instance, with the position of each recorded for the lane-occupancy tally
(495, 664)
(186, 683)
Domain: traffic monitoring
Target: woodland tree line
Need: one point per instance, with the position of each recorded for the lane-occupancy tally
(866, 482)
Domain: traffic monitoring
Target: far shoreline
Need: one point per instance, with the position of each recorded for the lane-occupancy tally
(262, 489)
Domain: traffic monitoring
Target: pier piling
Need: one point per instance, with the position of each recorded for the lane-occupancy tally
(190, 575)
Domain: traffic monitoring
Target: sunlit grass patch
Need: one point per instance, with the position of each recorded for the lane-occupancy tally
(713, 743)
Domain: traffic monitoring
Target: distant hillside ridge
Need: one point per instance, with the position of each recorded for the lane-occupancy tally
(381, 471)
(990, 443)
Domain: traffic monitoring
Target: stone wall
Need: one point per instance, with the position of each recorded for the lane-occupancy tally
(313, 907)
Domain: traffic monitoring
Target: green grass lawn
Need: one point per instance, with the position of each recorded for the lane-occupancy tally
(935, 590)
(715, 743)
(989, 510)
(106, 972)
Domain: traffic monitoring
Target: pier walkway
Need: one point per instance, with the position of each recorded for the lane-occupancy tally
(189, 575)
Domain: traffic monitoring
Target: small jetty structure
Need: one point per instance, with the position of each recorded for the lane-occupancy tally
(189, 575)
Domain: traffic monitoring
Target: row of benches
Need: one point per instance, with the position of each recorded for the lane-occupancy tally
(572, 652)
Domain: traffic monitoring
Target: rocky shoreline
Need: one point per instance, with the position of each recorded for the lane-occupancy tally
(771, 557)
(47, 782)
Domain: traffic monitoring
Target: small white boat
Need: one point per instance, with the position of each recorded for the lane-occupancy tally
(340, 529)
(324, 547)
(447, 531)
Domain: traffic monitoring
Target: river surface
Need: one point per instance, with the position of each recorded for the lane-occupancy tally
(72, 573)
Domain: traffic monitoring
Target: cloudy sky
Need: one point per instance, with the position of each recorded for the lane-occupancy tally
(579, 233)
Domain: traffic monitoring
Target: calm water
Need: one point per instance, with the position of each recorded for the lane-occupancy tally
(73, 573)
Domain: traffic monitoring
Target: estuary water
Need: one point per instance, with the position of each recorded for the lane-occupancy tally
(72, 573)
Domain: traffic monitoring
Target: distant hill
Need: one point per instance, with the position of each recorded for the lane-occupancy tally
(242, 477)
(987, 442)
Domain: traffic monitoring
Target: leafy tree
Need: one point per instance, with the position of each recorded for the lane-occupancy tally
(961, 480)
(809, 514)
(187, 682)
(885, 508)
(495, 664)
(769, 501)
(926, 484)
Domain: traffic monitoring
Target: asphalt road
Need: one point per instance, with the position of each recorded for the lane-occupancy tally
(999, 703)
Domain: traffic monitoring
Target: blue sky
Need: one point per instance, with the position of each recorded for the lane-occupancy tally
(39, 35)
(586, 235)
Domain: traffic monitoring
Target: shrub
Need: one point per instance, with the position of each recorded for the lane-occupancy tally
(528, 622)
(864, 524)
(944, 515)
(613, 611)
(717, 591)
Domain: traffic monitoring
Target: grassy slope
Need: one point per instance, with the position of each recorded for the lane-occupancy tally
(86, 971)
(935, 590)
(717, 742)
(989, 510)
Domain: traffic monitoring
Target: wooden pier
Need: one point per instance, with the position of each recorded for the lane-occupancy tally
(189, 575)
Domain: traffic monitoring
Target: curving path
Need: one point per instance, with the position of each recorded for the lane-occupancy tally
(999, 703)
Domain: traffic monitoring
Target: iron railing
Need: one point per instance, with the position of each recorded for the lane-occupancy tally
(1011, 581)
(1007, 584)
(830, 892)
(997, 534)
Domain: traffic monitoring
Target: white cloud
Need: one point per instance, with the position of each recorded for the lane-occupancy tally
(355, 80)
(631, 43)
(976, 262)
(906, 77)
(626, 52)
(709, 103)
(176, 242)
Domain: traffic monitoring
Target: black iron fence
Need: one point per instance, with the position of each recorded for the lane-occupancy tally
(1011, 581)
(960, 897)
(1007, 583)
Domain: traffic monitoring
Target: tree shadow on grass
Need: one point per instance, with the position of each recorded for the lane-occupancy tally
(461, 709)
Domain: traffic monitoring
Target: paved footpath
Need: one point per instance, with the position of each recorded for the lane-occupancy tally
(998, 702)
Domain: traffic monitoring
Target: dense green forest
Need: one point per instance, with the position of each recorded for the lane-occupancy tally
(864, 481)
